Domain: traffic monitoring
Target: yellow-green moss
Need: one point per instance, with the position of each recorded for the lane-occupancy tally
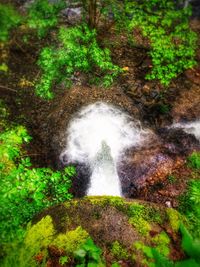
(72, 240)
(142, 226)
(118, 251)
(40, 235)
(174, 218)
(105, 200)
(136, 213)
(70, 203)
(162, 243)
(36, 240)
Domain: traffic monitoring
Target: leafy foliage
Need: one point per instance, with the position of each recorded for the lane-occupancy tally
(190, 206)
(157, 256)
(89, 255)
(9, 19)
(172, 42)
(24, 190)
(194, 160)
(190, 245)
(162, 261)
(43, 15)
(78, 51)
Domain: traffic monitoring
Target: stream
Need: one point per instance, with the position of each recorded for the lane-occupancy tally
(118, 152)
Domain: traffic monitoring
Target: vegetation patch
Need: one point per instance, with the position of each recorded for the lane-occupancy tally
(71, 240)
(172, 43)
(174, 218)
(118, 251)
(9, 20)
(194, 160)
(78, 51)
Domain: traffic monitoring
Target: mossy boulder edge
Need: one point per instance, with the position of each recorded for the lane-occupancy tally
(124, 229)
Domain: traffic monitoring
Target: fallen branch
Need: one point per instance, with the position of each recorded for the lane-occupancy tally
(8, 88)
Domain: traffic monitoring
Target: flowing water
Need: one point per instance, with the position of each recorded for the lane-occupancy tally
(97, 136)
(190, 127)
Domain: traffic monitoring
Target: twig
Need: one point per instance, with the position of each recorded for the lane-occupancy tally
(8, 88)
(24, 51)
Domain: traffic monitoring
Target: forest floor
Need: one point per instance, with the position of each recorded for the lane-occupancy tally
(155, 105)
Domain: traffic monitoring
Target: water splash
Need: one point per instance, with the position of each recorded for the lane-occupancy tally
(190, 127)
(98, 135)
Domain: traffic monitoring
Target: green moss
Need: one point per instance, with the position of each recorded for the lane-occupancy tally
(105, 200)
(145, 254)
(137, 213)
(162, 243)
(36, 241)
(154, 215)
(140, 215)
(118, 251)
(145, 249)
(142, 226)
(174, 218)
(39, 235)
(72, 240)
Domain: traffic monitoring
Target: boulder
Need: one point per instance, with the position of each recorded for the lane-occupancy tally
(124, 229)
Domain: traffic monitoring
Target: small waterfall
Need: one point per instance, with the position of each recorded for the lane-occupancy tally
(190, 127)
(104, 178)
(97, 136)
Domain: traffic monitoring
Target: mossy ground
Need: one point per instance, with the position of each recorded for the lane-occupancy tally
(124, 229)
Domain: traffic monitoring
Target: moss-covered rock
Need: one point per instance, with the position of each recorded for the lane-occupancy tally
(125, 230)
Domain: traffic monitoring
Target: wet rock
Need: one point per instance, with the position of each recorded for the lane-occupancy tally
(72, 14)
(144, 168)
(177, 142)
(187, 105)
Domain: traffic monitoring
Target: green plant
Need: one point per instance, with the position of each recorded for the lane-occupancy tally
(43, 15)
(3, 67)
(9, 19)
(118, 251)
(71, 240)
(171, 179)
(63, 260)
(190, 206)
(172, 43)
(25, 190)
(191, 247)
(164, 108)
(194, 160)
(162, 243)
(89, 255)
(162, 261)
(37, 237)
(194, 192)
(189, 244)
(78, 51)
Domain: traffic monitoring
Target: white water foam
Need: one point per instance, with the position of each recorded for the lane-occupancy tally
(97, 136)
(190, 127)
